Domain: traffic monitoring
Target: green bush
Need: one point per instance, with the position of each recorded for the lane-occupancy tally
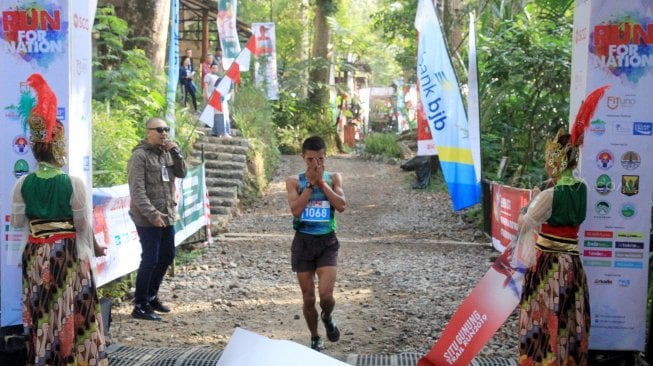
(114, 137)
(382, 144)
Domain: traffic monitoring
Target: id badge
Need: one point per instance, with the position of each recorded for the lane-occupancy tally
(164, 174)
(317, 211)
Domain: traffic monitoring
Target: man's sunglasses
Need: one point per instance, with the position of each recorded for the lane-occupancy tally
(160, 129)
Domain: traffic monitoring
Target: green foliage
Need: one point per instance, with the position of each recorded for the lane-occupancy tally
(252, 114)
(114, 136)
(524, 80)
(122, 76)
(382, 144)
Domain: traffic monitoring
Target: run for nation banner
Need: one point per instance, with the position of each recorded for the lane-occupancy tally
(444, 109)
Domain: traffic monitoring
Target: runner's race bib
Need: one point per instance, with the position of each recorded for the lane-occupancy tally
(317, 211)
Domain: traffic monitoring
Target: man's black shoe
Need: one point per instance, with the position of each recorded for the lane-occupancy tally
(332, 331)
(156, 305)
(145, 312)
(316, 343)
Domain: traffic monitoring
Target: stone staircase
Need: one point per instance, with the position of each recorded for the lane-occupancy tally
(226, 165)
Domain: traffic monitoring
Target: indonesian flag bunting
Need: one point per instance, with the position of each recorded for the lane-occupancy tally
(223, 87)
(216, 101)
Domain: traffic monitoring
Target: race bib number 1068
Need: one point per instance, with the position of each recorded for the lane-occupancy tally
(317, 211)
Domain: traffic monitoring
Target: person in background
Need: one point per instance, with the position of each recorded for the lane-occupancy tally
(313, 196)
(155, 163)
(554, 320)
(61, 311)
(210, 83)
(186, 75)
(189, 54)
(206, 65)
(217, 58)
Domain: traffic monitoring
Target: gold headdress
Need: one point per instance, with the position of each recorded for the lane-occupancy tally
(556, 155)
(43, 124)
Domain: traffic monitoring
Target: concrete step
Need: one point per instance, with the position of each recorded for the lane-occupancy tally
(226, 174)
(222, 182)
(213, 156)
(222, 202)
(225, 165)
(221, 148)
(227, 192)
(220, 210)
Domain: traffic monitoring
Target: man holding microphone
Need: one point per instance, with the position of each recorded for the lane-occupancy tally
(155, 163)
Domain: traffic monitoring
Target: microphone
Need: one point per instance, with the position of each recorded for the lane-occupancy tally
(174, 151)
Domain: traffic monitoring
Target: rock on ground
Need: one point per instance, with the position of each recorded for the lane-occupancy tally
(406, 262)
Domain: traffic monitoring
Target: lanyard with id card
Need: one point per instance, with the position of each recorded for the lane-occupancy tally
(164, 174)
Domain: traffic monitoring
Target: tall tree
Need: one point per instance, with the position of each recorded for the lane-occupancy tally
(149, 22)
(319, 75)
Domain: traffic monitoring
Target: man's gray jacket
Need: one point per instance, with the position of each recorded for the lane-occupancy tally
(151, 195)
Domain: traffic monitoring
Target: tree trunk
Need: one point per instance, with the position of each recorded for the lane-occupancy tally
(321, 46)
(149, 19)
(303, 49)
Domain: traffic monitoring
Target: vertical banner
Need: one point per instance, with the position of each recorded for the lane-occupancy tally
(52, 38)
(444, 109)
(506, 202)
(266, 58)
(173, 65)
(425, 142)
(613, 46)
(473, 101)
(228, 32)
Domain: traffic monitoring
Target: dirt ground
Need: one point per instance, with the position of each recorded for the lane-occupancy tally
(406, 262)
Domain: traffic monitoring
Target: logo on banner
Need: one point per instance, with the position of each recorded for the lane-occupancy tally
(623, 46)
(597, 127)
(643, 128)
(630, 160)
(630, 185)
(604, 159)
(21, 145)
(34, 31)
(628, 210)
(603, 184)
(21, 167)
(619, 102)
(622, 128)
(602, 208)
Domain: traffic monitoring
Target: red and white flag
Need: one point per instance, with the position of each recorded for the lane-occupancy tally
(232, 75)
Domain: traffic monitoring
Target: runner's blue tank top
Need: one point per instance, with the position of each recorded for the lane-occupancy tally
(318, 218)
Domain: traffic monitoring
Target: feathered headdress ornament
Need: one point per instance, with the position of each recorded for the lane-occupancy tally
(556, 155)
(43, 124)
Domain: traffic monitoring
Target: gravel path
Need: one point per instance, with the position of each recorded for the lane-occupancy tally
(406, 263)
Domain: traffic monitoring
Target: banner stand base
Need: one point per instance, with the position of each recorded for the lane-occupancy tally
(616, 358)
(12, 345)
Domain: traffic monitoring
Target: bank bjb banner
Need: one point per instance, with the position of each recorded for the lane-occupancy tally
(613, 45)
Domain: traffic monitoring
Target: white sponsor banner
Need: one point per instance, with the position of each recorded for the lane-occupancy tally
(51, 38)
(266, 58)
(612, 46)
(115, 229)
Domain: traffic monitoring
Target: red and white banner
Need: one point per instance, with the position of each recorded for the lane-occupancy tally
(479, 316)
(425, 143)
(266, 58)
(506, 203)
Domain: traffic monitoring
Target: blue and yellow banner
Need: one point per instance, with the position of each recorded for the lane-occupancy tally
(444, 109)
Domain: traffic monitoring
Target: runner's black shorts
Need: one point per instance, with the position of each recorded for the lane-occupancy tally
(309, 252)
